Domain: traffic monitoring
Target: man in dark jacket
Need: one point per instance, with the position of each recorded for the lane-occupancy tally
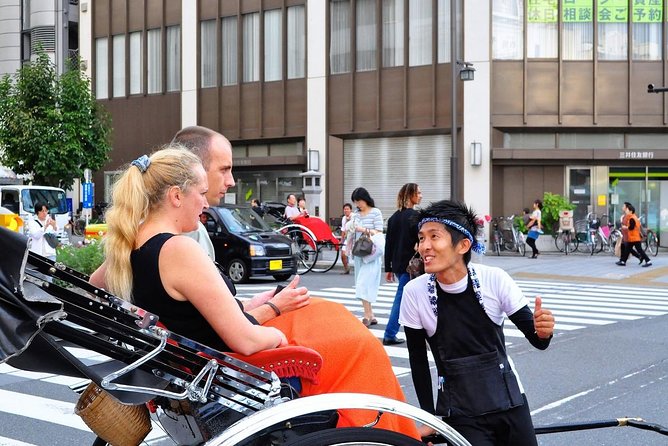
(400, 242)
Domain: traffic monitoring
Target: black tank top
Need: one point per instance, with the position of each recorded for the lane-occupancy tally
(148, 293)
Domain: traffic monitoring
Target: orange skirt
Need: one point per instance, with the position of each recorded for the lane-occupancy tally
(353, 360)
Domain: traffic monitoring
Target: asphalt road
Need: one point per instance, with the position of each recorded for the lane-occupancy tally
(592, 371)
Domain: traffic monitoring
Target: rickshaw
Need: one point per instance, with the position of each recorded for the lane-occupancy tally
(318, 246)
(197, 394)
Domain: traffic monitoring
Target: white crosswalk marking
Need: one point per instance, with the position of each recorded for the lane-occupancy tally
(576, 306)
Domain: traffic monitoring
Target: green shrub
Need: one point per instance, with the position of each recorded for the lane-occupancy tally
(552, 204)
(519, 224)
(85, 259)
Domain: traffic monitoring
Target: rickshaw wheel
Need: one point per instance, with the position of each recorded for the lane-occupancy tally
(355, 436)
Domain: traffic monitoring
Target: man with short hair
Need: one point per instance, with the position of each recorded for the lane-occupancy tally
(291, 210)
(215, 151)
(459, 309)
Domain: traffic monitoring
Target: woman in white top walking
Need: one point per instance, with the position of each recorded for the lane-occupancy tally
(367, 220)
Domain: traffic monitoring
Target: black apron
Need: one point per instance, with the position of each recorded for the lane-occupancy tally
(475, 377)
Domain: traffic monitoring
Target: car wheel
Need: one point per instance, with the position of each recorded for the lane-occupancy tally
(282, 277)
(237, 270)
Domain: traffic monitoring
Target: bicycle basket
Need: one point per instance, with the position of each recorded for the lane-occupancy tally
(506, 224)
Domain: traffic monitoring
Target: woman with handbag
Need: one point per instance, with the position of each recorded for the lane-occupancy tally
(367, 223)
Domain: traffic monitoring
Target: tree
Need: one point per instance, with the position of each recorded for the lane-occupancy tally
(51, 127)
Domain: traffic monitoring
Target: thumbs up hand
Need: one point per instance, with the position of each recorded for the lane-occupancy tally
(543, 320)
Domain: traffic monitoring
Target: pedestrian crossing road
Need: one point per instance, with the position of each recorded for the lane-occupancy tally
(43, 403)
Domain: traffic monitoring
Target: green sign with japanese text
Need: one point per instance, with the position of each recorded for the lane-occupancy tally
(609, 11)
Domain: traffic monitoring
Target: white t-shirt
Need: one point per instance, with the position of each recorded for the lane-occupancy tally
(291, 211)
(500, 294)
(201, 236)
(536, 215)
(38, 244)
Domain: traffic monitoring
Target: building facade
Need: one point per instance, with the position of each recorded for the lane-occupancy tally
(336, 94)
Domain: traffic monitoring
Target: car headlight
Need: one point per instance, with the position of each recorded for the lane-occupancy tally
(257, 250)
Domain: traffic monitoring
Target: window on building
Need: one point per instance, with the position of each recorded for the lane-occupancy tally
(339, 45)
(542, 29)
(529, 140)
(591, 141)
(229, 46)
(154, 60)
(251, 47)
(419, 32)
(136, 63)
(208, 53)
(647, 30)
(613, 18)
(273, 45)
(365, 41)
(393, 33)
(118, 48)
(578, 35)
(101, 68)
(173, 58)
(296, 42)
(507, 29)
(444, 49)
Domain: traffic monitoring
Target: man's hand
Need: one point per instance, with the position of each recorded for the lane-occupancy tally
(389, 277)
(543, 320)
(291, 298)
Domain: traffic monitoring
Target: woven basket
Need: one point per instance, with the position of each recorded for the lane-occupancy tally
(117, 423)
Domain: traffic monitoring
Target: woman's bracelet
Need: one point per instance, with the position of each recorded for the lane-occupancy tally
(273, 307)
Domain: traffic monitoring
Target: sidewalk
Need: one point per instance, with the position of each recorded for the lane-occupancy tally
(578, 267)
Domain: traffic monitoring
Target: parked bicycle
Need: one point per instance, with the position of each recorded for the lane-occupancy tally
(565, 238)
(650, 241)
(507, 236)
(599, 235)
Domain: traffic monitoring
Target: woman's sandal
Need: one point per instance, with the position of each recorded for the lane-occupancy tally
(368, 322)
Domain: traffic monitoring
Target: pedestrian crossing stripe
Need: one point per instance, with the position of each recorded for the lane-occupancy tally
(575, 306)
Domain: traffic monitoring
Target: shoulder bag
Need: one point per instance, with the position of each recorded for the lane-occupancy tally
(363, 246)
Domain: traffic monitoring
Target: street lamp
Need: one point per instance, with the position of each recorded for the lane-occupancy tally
(467, 72)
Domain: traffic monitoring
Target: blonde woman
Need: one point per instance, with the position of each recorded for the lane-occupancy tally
(151, 263)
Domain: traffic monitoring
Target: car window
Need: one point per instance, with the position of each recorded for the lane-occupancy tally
(241, 220)
(53, 199)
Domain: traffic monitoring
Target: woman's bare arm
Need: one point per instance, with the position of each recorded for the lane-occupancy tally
(188, 274)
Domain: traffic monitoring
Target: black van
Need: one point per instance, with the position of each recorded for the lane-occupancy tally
(246, 246)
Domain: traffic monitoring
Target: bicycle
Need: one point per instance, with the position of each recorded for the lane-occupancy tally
(600, 235)
(507, 236)
(565, 238)
(650, 241)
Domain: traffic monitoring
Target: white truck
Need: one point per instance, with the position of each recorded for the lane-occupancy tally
(21, 200)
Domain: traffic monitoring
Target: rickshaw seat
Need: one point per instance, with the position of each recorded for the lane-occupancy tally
(292, 361)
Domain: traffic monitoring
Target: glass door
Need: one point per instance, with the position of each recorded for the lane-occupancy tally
(646, 188)
(579, 191)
